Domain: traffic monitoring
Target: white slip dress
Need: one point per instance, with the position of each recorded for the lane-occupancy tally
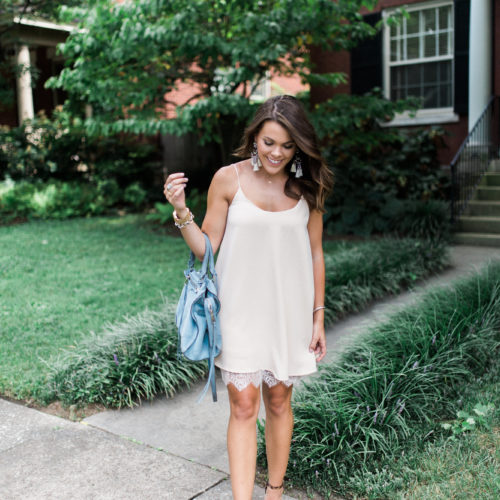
(266, 289)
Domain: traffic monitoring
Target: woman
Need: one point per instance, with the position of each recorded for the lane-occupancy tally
(265, 213)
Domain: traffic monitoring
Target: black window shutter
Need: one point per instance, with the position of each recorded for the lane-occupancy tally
(367, 60)
(461, 56)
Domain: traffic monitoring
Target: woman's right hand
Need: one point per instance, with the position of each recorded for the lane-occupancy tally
(174, 191)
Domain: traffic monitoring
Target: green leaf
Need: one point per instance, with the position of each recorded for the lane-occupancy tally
(128, 57)
(483, 410)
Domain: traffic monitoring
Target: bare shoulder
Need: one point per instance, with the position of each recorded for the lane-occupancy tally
(225, 182)
(224, 175)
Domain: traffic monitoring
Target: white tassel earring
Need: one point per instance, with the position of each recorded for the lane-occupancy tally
(256, 163)
(297, 166)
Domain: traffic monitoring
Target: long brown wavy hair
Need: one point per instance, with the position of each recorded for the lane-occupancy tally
(317, 180)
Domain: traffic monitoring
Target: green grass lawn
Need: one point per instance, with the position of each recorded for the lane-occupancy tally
(61, 279)
(465, 466)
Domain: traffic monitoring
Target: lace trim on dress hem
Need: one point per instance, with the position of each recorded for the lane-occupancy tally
(243, 380)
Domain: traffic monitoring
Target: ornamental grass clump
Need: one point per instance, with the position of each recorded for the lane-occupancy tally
(129, 361)
(354, 276)
(389, 391)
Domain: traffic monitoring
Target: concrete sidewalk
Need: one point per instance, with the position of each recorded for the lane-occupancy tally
(169, 448)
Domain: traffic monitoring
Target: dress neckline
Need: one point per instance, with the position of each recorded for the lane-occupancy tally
(268, 211)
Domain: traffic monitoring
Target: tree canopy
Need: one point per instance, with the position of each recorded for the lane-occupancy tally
(127, 57)
(40, 8)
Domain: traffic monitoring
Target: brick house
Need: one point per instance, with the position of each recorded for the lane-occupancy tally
(447, 53)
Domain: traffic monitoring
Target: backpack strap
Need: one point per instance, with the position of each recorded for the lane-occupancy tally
(210, 313)
(208, 258)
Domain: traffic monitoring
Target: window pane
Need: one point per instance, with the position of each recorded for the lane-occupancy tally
(412, 48)
(444, 45)
(394, 50)
(430, 72)
(430, 96)
(445, 17)
(445, 71)
(414, 74)
(412, 24)
(429, 20)
(398, 77)
(445, 96)
(429, 46)
(414, 91)
(398, 83)
(397, 94)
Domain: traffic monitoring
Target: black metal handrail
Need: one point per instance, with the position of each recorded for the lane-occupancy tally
(473, 157)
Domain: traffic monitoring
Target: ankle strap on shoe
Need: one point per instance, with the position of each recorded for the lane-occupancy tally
(269, 485)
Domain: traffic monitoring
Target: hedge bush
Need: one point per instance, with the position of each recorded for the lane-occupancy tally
(356, 275)
(61, 200)
(59, 148)
(388, 392)
(128, 361)
(375, 166)
(136, 359)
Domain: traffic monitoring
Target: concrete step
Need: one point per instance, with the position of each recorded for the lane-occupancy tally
(494, 165)
(475, 224)
(483, 208)
(490, 179)
(480, 239)
(487, 193)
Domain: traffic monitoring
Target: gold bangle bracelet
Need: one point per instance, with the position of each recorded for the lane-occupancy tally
(180, 223)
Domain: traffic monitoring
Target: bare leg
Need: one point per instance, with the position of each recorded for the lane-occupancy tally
(279, 427)
(242, 439)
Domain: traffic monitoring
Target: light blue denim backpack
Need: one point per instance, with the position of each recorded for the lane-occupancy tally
(197, 316)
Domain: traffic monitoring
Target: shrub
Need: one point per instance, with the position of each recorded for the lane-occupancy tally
(59, 148)
(129, 361)
(120, 366)
(418, 219)
(55, 199)
(376, 165)
(41, 148)
(109, 190)
(162, 213)
(135, 195)
(15, 200)
(356, 275)
(61, 200)
(389, 389)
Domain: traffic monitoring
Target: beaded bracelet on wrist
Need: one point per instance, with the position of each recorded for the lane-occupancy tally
(181, 223)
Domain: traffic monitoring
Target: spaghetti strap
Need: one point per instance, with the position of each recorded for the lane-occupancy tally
(237, 175)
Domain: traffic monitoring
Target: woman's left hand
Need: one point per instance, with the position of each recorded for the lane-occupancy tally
(318, 342)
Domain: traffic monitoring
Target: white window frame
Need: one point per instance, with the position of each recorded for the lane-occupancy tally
(265, 85)
(422, 116)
